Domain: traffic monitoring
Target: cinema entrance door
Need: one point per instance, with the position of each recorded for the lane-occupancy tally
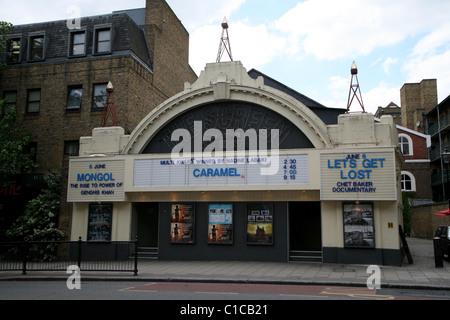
(305, 232)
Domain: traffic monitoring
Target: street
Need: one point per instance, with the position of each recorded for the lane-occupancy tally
(113, 290)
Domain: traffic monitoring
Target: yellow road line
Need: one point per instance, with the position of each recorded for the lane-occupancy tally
(356, 293)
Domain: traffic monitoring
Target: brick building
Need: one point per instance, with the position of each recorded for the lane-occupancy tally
(416, 168)
(417, 99)
(421, 112)
(390, 110)
(57, 77)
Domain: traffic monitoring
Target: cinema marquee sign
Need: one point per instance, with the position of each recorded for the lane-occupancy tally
(96, 180)
(291, 169)
(358, 176)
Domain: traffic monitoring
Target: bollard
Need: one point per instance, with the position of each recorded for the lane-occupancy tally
(438, 259)
(80, 242)
(136, 256)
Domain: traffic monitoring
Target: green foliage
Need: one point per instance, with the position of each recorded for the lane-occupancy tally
(406, 195)
(15, 156)
(41, 214)
(4, 29)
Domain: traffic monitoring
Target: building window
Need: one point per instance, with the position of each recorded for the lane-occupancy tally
(14, 50)
(77, 44)
(11, 98)
(408, 181)
(71, 148)
(34, 101)
(74, 98)
(37, 48)
(99, 96)
(405, 144)
(102, 41)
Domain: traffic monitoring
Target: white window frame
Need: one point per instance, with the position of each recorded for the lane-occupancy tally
(413, 180)
(410, 144)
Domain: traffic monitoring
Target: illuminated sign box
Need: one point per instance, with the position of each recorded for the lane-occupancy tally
(96, 180)
(358, 176)
(234, 171)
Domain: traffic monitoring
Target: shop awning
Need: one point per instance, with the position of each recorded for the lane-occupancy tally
(444, 213)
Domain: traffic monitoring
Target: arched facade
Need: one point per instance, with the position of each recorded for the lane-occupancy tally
(233, 169)
(215, 86)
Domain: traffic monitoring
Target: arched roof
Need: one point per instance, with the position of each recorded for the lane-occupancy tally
(228, 81)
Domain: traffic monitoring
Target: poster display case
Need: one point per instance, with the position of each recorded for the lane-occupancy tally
(260, 224)
(358, 225)
(182, 226)
(220, 224)
(99, 222)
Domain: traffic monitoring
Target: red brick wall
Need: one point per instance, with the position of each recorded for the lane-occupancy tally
(420, 150)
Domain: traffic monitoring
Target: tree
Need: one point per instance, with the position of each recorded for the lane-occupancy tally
(39, 223)
(15, 156)
(4, 29)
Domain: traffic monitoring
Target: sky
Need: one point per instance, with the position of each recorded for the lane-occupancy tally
(307, 45)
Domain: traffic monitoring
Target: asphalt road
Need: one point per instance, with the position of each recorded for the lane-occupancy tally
(111, 290)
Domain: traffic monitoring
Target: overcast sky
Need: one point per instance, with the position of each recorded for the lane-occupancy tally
(307, 45)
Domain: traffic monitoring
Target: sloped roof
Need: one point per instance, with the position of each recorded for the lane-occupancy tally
(127, 36)
(327, 115)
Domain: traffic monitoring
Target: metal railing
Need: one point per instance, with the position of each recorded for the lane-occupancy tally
(440, 177)
(435, 127)
(59, 255)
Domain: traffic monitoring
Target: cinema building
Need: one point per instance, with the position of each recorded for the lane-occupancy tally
(234, 169)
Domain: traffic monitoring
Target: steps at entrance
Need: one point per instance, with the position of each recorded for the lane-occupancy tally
(147, 252)
(305, 256)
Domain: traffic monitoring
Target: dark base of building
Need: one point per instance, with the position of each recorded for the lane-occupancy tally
(387, 257)
(297, 236)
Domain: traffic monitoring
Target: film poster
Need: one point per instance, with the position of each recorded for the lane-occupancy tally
(259, 224)
(220, 224)
(99, 222)
(358, 225)
(182, 223)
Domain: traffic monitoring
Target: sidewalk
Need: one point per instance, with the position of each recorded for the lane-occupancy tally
(421, 274)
